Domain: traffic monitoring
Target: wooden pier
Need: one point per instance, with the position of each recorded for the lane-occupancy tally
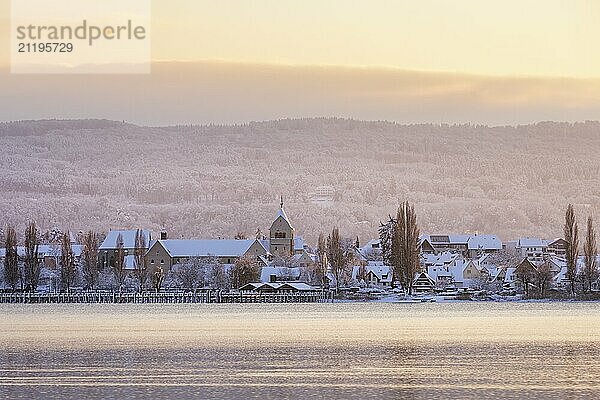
(211, 296)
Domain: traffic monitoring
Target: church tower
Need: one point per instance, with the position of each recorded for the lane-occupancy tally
(281, 234)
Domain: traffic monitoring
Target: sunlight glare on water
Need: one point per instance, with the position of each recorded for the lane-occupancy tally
(348, 350)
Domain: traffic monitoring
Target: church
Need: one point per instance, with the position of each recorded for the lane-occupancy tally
(282, 241)
(282, 244)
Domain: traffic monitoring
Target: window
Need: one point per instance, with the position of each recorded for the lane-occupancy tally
(279, 235)
(162, 261)
(152, 261)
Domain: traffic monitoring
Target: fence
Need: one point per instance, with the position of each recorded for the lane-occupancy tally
(168, 297)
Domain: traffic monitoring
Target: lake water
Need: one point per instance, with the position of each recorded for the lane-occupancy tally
(263, 351)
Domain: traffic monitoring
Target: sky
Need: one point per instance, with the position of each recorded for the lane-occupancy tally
(494, 62)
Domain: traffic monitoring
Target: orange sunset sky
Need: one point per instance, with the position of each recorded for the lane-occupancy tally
(494, 62)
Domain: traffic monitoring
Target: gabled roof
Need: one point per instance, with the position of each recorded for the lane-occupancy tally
(208, 247)
(281, 214)
(556, 241)
(377, 268)
(260, 286)
(110, 242)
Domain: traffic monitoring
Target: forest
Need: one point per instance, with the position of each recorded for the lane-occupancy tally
(215, 181)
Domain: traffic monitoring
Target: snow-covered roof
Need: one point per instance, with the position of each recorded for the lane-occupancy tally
(510, 274)
(45, 250)
(378, 268)
(371, 245)
(484, 242)
(110, 242)
(298, 243)
(445, 239)
(281, 273)
(444, 258)
(555, 241)
(561, 276)
(281, 213)
(532, 242)
(299, 286)
(207, 247)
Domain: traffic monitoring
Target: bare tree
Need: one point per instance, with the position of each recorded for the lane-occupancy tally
(67, 262)
(240, 235)
(118, 266)
(245, 270)
(188, 273)
(90, 258)
(571, 232)
(590, 252)
(361, 274)
(11, 258)
(320, 275)
(141, 272)
(339, 255)
(157, 279)
(219, 278)
(543, 278)
(405, 246)
(32, 262)
(526, 274)
(386, 233)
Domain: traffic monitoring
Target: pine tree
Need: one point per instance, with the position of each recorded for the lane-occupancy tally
(571, 232)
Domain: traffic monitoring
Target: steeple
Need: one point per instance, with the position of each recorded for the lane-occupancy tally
(281, 233)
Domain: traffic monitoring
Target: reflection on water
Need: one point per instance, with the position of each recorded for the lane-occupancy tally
(367, 350)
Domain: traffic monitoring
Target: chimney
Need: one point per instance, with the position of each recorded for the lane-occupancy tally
(163, 235)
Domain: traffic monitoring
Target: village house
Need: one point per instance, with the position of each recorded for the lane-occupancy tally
(423, 283)
(557, 248)
(533, 249)
(48, 254)
(445, 269)
(108, 247)
(468, 245)
(373, 273)
(166, 253)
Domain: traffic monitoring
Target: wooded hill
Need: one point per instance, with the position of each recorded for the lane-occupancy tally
(211, 181)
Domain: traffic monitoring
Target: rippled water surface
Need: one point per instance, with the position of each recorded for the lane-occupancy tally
(357, 350)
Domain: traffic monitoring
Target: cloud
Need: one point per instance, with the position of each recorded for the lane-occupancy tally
(228, 92)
